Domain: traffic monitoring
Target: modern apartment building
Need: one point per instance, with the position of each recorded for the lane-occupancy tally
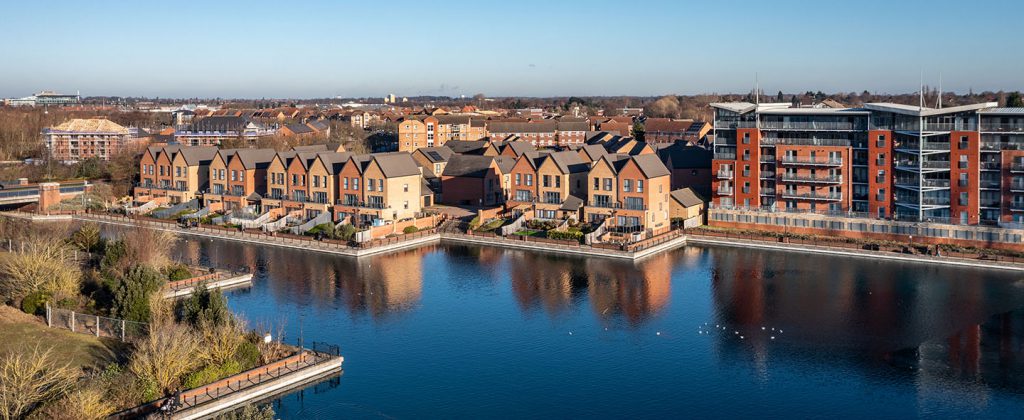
(79, 139)
(436, 130)
(960, 165)
(211, 131)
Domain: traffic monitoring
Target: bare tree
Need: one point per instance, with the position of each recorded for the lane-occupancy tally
(166, 355)
(29, 378)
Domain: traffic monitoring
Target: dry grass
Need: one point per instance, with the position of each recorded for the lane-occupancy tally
(31, 377)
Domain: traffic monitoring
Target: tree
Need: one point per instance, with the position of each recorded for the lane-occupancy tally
(639, 131)
(87, 238)
(29, 378)
(134, 292)
(165, 356)
(1014, 100)
(666, 106)
(780, 98)
(205, 306)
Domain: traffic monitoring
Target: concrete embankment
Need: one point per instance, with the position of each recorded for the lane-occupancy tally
(223, 282)
(813, 249)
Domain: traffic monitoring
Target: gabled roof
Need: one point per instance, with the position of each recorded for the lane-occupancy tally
(687, 197)
(568, 162)
(333, 161)
(651, 165)
(466, 147)
(571, 203)
(436, 154)
(468, 166)
(197, 155)
(680, 155)
(593, 151)
(300, 128)
(311, 148)
(255, 158)
(518, 147)
(395, 165)
(667, 125)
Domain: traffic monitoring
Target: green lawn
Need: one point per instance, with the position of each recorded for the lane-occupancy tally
(18, 332)
(493, 224)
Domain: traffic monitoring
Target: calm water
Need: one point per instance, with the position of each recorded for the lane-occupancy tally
(459, 332)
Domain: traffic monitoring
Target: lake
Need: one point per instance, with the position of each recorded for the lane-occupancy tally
(478, 332)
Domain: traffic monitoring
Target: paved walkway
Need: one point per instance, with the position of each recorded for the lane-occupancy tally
(819, 249)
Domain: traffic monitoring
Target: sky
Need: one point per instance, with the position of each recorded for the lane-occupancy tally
(314, 48)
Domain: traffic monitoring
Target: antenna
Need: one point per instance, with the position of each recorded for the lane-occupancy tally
(920, 105)
(939, 102)
(757, 90)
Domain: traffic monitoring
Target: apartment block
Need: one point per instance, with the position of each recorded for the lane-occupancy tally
(79, 139)
(959, 165)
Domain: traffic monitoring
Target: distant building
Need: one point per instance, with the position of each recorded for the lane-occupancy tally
(80, 139)
(46, 98)
(211, 131)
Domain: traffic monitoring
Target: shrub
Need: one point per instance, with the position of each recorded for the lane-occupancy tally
(87, 238)
(568, 235)
(165, 356)
(410, 229)
(247, 355)
(31, 377)
(346, 232)
(326, 229)
(178, 272)
(204, 306)
(38, 269)
(34, 303)
(133, 293)
(211, 373)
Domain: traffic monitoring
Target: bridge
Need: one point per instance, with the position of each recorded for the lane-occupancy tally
(46, 194)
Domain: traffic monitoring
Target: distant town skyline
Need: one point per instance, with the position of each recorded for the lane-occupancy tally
(539, 49)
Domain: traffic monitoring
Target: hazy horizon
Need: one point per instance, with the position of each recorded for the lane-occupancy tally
(256, 50)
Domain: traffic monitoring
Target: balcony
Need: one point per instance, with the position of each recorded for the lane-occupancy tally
(812, 196)
(812, 161)
(729, 125)
(808, 125)
(604, 204)
(818, 179)
(725, 174)
(1002, 127)
(990, 166)
(1017, 168)
(989, 184)
(1017, 206)
(926, 183)
(928, 147)
(813, 142)
(725, 156)
(767, 159)
(767, 175)
(724, 191)
(361, 204)
(1017, 187)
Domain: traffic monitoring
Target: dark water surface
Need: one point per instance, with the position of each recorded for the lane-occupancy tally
(470, 332)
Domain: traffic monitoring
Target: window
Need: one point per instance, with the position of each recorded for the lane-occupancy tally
(405, 188)
(519, 179)
(627, 185)
(746, 138)
(597, 184)
(639, 185)
(234, 175)
(405, 205)
(370, 184)
(380, 184)
(295, 179)
(546, 181)
(881, 140)
(607, 184)
(558, 181)
(344, 183)
(529, 180)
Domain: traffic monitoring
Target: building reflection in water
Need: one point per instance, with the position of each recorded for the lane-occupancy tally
(556, 284)
(376, 286)
(837, 310)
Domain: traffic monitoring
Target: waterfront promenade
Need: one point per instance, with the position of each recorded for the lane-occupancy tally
(452, 233)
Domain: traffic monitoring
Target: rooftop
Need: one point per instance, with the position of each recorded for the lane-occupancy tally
(91, 125)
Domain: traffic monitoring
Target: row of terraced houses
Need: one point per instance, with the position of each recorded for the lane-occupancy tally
(308, 181)
(629, 185)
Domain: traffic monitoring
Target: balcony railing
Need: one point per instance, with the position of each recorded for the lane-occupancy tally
(924, 146)
(604, 204)
(1017, 206)
(813, 142)
(725, 191)
(725, 174)
(727, 125)
(988, 184)
(927, 183)
(991, 165)
(725, 156)
(812, 161)
(812, 196)
(1017, 167)
(827, 179)
(1001, 127)
(361, 204)
(809, 125)
(1017, 186)
(767, 159)
(767, 175)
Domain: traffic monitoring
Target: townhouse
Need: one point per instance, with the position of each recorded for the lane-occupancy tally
(629, 193)
(178, 173)
(552, 184)
(238, 178)
(476, 180)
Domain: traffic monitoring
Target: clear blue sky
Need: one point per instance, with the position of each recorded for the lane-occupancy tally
(315, 48)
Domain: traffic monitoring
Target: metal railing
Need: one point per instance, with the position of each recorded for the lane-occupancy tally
(812, 196)
(724, 191)
(812, 161)
(725, 174)
(725, 156)
(997, 126)
(811, 125)
(829, 179)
